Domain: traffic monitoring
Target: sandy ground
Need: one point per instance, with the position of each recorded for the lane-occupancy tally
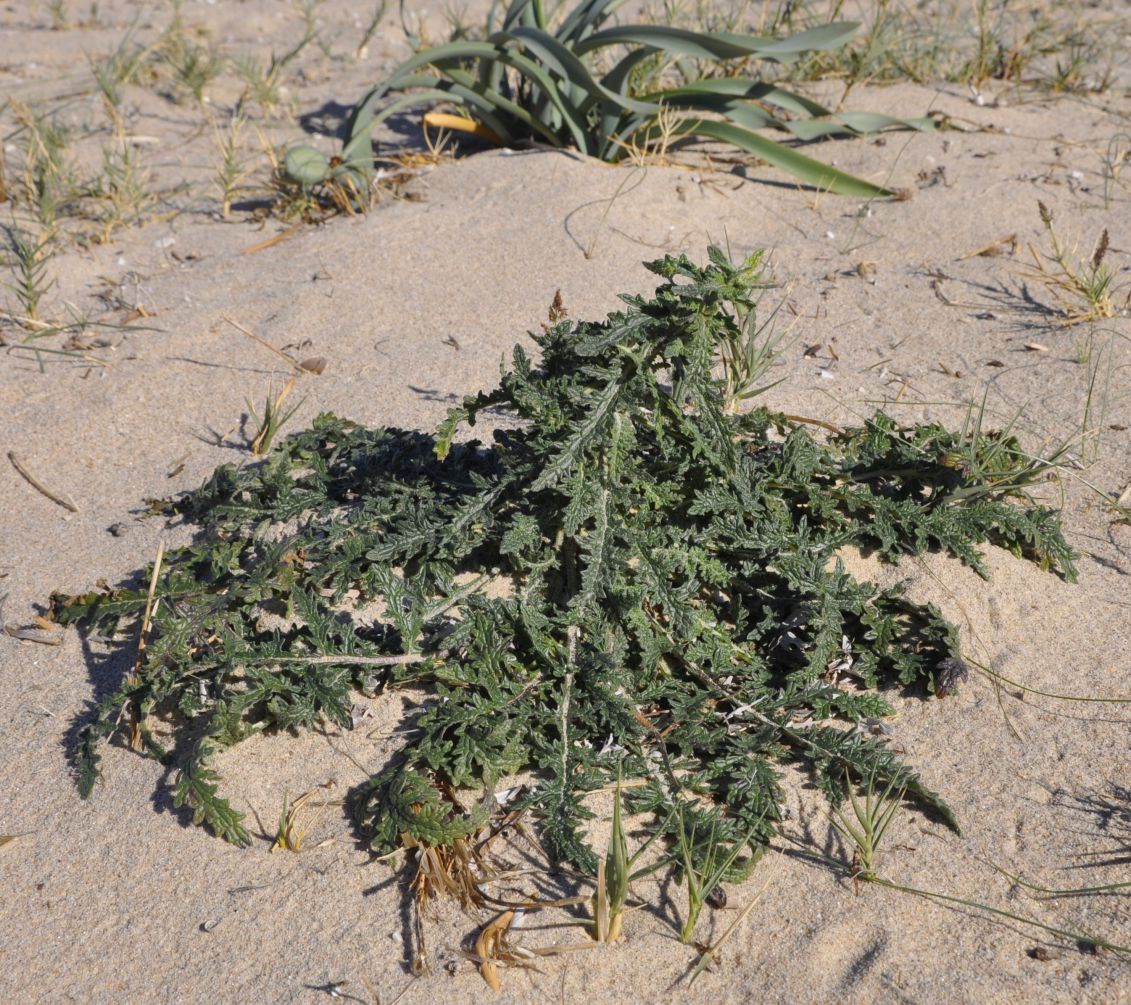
(413, 305)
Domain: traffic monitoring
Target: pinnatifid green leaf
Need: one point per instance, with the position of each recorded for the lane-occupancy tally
(631, 579)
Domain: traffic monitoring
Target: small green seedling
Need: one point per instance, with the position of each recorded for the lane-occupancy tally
(747, 351)
(871, 818)
(273, 418)
(705, 865)
(233, 171)
(612, 880)
(29, 265)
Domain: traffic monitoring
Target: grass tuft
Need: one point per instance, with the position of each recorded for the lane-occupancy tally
(1083, 287)
(29, 258)
(871, 817)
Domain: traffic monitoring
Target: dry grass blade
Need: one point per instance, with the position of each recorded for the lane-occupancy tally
(653, 144)
(36, 484)
(1002, 246)
(272, 241)
(42, 637)
(289, 836)
(493, 948)
(289, 360)
(454, 870)
(137, 728)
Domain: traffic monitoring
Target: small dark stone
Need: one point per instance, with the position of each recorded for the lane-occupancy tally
(118, 529)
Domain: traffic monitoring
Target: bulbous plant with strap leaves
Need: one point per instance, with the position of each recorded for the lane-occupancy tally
(673, 610)
(528, 81)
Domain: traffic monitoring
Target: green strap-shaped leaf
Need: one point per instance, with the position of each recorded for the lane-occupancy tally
(680, 41)
(524, 12)
(743, 87)
(357, 150)
(820, 39)
(485, 103)
(572, 116)
(586, 18)
(855, 124)
(720, 45)
(617, 78)
(571, 68)
(810, 171)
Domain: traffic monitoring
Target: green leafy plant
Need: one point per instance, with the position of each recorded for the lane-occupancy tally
(602, 89)
(747, 352)
(48, 178)
(703, 873)
(193, 66)
(120, 68)
(612, 880)
(871, 817)
(58, 11)
(629, 579)
(371, 28)
(233, 171)
(265, 82)
(274, 417)
(29, 257)
(970, 43)
(121, 190)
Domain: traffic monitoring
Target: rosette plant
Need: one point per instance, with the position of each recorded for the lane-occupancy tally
(602, 88)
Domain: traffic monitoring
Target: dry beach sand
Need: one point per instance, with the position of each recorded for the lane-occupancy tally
(413, 305)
